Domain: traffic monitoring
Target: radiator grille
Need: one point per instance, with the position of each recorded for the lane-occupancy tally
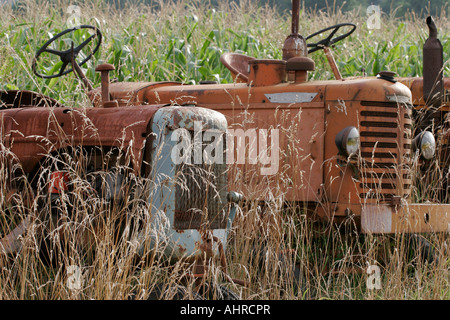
(385, 129)
(200, 196)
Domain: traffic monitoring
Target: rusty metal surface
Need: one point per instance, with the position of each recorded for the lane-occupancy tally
(333, 105)
(415, 84)
(24, 98)
(300, 64)
(104, 70)
(86, 83)
(266, 72)
(433, 62)
(412, 218)
(378, 174)
(126, 93)
(237, 64)
(295, 44)
(332, 62)
(240, 102)
(35, 132)
(240, 96)
(305, 119)
(185, 238)
(267, 95)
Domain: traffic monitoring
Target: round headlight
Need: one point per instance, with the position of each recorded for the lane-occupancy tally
(426, 144)
(347, 141)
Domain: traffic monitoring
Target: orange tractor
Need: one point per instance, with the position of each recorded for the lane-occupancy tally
(350, 146)
(346, 146)
(430, 94)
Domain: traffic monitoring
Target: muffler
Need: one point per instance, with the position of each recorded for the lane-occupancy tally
(433, 63)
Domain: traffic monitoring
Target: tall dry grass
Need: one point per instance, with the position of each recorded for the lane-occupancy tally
(183, 42)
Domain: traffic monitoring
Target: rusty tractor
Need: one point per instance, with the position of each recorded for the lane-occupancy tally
(352, 155)
(190, 206)
(430, 94)
(348, 150)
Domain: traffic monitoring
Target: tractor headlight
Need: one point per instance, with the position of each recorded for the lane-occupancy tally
(347, 141)
(426, 144)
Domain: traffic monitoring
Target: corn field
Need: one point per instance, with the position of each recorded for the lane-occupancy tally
(183, 41)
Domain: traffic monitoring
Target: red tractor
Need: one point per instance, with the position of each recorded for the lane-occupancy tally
(117, 154)
(347, 145)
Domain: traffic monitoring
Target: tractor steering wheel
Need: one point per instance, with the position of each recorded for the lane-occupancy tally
(66, 56)
(328, 41)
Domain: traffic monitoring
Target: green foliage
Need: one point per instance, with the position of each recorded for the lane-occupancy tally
(402, 7)
(184, 41)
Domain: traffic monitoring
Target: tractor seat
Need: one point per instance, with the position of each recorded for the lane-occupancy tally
(237, 64)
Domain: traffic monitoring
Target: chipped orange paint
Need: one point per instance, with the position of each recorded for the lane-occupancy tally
(266, 95)
(35, 131)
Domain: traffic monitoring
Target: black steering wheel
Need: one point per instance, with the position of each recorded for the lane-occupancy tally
(66, 56)
(328, 41)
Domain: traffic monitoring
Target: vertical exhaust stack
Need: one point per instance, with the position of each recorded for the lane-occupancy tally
(433, 62)
(295, 51)
(295, 44)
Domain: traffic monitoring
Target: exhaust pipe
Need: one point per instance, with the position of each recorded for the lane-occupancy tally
(433, 63)
(295, 44)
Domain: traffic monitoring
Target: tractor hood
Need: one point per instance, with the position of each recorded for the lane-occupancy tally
(33, 132)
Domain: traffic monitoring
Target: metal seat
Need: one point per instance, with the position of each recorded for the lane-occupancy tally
(237, 64)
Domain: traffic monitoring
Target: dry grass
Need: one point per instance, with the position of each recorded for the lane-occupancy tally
(266, 242)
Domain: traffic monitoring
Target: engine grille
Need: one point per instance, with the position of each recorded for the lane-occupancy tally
(201, 196)
(385, 129)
